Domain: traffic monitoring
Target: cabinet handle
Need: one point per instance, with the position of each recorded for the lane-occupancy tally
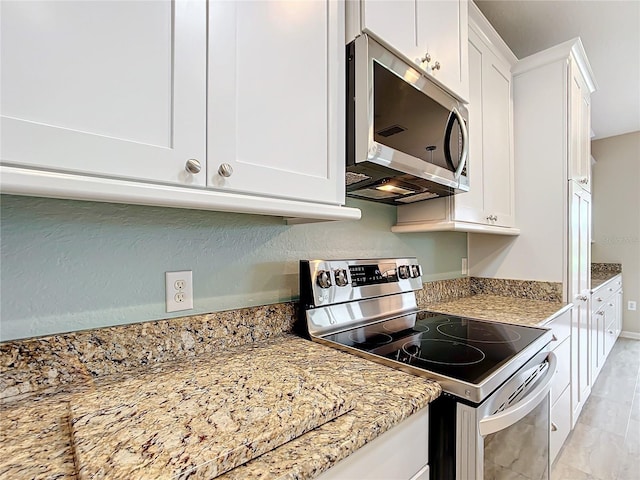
(193, 166)
(599, 313)
(611, 304)
(582, 297)
(426, 58)
(492, 218)
(610, 332)
(584, 181)
(554, 338)
(554, 427)
(225, 170)
(436, 66)
(599, 299)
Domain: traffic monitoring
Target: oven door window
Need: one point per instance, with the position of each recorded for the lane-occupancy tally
(520, 451)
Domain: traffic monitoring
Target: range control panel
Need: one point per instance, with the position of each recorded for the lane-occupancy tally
(326, 282)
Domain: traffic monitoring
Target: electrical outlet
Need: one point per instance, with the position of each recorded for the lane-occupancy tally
(631, 305)
(179, 290)
(465, 266)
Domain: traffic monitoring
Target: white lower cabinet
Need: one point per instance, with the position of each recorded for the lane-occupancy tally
(606, 322)
(560, 423)
(399, 454)
(560, 388)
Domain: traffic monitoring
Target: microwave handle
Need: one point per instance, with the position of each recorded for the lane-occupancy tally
(506, 418)
(465, 144)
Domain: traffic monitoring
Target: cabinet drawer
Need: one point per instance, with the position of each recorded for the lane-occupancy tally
(560, 423)
(561, 327)
(610, 337)
(563, 370)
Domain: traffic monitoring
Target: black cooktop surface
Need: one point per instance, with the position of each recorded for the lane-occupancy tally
(461, 348)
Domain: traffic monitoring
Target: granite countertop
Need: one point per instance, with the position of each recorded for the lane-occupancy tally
(600, 278)
(522, 311)
(156, 420)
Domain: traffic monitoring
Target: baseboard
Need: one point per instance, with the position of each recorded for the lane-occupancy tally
(633, 335)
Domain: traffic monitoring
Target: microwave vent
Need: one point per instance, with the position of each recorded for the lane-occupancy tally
(356, 178)
(392, 130)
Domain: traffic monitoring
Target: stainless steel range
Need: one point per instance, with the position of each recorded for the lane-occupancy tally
(492, 422)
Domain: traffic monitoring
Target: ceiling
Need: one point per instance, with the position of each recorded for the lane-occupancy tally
(610, 33)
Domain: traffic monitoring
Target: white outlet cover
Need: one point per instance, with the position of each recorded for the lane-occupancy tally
(172, 299)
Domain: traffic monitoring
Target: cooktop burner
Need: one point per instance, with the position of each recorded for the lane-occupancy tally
(364, 340)
(444, 352)
(478, 333)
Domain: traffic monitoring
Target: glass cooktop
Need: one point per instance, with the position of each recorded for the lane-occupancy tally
(457, 347)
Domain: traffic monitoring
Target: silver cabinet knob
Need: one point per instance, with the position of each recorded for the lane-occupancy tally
(492, 218)
(225, 170)
(426, 58)
(554, 427)
(582, 297)
(193, 166)
(599, 299)
(436, 66)
(599, 313)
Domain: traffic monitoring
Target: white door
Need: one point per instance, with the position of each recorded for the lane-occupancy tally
(442, 31)
(490, 197)
(276, 99)
(497, 159)
(393, 22)
(578, 288)
(105, 88)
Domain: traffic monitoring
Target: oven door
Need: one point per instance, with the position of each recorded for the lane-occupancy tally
(508, 435)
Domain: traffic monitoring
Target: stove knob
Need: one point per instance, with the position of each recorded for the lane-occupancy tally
(323, 278)
(415, 271)
(341, 277)
(403, 271)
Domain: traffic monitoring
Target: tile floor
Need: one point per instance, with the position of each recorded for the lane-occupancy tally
(605, 443)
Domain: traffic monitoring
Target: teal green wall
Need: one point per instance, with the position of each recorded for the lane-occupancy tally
(70, 265)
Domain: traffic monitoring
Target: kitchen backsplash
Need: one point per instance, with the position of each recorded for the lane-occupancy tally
(44, 365)
(50, 364)
(598, 268)
(81, 265)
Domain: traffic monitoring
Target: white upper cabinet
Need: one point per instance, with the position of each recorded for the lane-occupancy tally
(154, 102)
(488, 206)
(431, 33)
(114, 89)
(276, 103)
(580, 118)
(490, 200)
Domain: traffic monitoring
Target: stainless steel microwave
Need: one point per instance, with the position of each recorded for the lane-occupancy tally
(407, 138)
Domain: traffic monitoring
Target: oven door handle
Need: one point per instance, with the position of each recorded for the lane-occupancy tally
(511, 415)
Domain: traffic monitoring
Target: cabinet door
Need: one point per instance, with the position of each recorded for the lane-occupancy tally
(580, 129)
(442, 32)
(105, 88)
(276, 99)
(490, 197)
(394, 23)
(579, 293)
(416, 28)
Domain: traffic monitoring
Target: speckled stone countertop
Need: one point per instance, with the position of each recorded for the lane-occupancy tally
(601, 273)
(516, 310)
(41, 437)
